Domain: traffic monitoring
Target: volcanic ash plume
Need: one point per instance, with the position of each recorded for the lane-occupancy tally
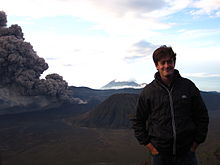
(21, 67)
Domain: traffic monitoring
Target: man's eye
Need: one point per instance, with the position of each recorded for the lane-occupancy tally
(170, 61)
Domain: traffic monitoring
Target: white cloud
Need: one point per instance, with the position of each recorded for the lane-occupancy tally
(90, 8)
(171, 7)
(210, 7)
(139, 50)
(187, 34)
(202, 75)
(133, 17)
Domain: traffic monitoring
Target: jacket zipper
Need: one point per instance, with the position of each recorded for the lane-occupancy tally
(172, 116)
(173, 122)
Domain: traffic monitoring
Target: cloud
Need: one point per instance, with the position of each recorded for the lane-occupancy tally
(84, 8)
(68, 65)
(124, 6)
(133, 17)
(144, 44)
(51, 58)
(202, 75)
(21, 67)
(210, 7)
(141, 49)
(74, 7)
(198, 33)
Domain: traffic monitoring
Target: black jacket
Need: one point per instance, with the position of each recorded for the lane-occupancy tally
(171, 118)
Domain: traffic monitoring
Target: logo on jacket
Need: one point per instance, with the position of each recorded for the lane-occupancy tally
(183, 96)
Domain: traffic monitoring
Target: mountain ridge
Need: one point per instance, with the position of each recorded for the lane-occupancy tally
(20, 104)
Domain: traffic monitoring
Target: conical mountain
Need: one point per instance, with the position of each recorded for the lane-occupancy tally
(121, 84)
(114, 112)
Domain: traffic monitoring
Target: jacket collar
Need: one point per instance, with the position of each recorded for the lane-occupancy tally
(176, 75)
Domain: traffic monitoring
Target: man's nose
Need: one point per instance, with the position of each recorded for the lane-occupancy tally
(166, 64)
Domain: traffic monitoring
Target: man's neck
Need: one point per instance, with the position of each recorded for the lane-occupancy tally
(167, 80)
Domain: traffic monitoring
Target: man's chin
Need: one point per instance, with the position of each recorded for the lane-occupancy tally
(169, 74)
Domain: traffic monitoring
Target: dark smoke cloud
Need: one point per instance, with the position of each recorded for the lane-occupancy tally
(3, 19)
(21, 67)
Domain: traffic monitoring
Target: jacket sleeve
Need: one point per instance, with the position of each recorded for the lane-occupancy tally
(200, 116)
(139, 123)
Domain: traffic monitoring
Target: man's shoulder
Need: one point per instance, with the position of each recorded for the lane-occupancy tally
(183, 80)
(149, 87)
(188, 85)
(187, 81)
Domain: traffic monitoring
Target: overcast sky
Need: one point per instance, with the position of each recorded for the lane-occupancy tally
(91, 42)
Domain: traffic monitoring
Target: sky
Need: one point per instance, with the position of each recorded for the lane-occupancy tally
(92, 42)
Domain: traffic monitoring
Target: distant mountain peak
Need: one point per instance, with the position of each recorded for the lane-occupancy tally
(116, 84)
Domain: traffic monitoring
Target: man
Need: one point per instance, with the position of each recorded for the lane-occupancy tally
(171, 117)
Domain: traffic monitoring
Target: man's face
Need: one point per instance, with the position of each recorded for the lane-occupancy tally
(165, 67)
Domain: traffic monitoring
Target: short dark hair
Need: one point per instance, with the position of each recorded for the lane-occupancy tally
(163, 51)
